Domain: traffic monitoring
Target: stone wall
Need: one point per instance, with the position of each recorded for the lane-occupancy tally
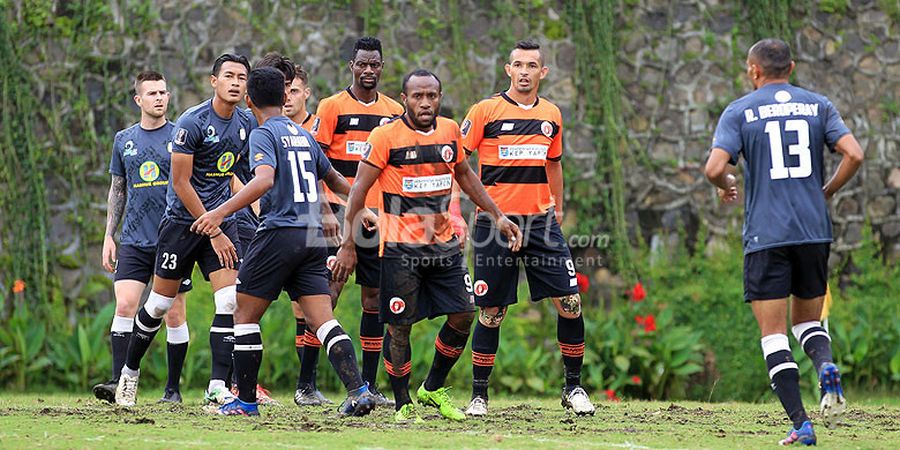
(680, 63)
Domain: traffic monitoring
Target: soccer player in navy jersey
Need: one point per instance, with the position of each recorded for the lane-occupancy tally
(781, 132)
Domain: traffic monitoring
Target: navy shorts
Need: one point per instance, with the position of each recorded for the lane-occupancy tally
(246, 232)
(179, 248)
(136, 263)
(544, 253)
(283, 259)
(368, 263)
(413, 289)
(776, 273)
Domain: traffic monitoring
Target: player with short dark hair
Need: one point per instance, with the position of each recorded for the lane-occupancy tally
(415, 158)
(288, 251)
(518, 136)
(781, 131)
(344, 122)
(137, 192)
(207, 141)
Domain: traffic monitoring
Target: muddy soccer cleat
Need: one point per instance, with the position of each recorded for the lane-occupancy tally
(106, 391)
(359, 402)
(264, 397)
(237, 408)
(477, 407)
(576, 399)
(380, 399)
(219, 395)
(440, 399)
(126, 391)
(407, 414)
(833, 403)
(305, 395)
(803, 435)
(170, 396)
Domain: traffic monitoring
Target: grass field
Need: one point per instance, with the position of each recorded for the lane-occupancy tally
(67, 421)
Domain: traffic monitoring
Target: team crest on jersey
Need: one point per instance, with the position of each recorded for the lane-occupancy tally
(314, 129)
(480, 288)
(149, 171)
(447, 153)
(547, 128)
(129, 149)
(169, 146)
(782, 96)
(397, 305)
(225, 162)
(329, 263)
(467, 124)
(243, 133)
(180, 136)
(292, 129)
(211, 137)
(383, 121)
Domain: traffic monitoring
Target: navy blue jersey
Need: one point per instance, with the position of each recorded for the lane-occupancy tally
(246, 217)
(293, 200)
(781, 131)
(216, 144)
(142, 158)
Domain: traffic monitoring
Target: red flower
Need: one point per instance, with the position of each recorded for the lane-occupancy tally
(636, 379)
(18, 286)
(639, 320)
(649, 323)
(584, 283)
(611, 395)
(637, 293)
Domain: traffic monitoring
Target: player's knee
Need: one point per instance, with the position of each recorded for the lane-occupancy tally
(492, 316)
(461, 322)
(569, 306)
(126, 309)
(369, 298)
(298, 310)
(158, 305)
(225, 299)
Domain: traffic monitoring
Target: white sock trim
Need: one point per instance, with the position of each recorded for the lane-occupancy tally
(122, 324)
(146, 328)
(243, 329)
(801, 328)
(225, 299)
(157, 305)
(247, 347)
(337, 339)
(774, 343)
(221, 330)
(130, 372)
(783, 366)
(178, 335)
(326, 328)
(215, 384)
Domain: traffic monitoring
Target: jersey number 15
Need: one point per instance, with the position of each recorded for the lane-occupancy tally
(298, 160)
(801, 149)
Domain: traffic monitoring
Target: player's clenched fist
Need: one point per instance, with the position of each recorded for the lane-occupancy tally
(728, 195)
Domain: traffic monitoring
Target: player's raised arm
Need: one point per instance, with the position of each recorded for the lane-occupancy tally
(471, 185)
(852, 158)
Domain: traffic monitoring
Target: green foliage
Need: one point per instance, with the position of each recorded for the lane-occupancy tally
(833, 6)
(768, 19)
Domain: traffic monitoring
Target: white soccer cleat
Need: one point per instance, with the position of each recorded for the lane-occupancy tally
(477, 407)
(577, 400)
(126, 391)
(219, 395)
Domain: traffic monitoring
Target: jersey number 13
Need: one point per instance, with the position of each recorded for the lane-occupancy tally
(298, 160)
(800, 149)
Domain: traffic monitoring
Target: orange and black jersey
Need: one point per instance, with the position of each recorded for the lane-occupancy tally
(342, 127)
(416, 180)
(308, 122)
(514, 144)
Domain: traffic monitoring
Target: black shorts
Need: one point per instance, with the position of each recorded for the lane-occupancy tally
(245, 235)
(368, 263)
(775, 273)
(413, 289)
(179, 248)
(136, 263)
(283, 259)
(545, 255)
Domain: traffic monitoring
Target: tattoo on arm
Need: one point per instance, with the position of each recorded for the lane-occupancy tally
(116, 204)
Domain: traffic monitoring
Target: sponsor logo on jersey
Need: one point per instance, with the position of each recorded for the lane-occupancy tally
(129, 149)
(354, 121)
(467, 124)
(211, 137)
(507, 126)
(356, 148)
(447, 153)
(522, 151)
(149, 171)
(432, 183)
(314, 129)
(397, 305)
(225, 162)
(547, 128)
(258, 157)
(481, 288)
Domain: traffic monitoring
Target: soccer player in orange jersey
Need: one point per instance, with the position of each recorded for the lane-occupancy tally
(344, 122)
(518, 137)
(415, 158)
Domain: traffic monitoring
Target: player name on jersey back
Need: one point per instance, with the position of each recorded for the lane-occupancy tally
(782, 110)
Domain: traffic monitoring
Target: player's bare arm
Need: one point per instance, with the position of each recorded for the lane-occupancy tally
(236, 186)
(114, 212)
(263, 179)
(555, 179)
(717, 173)
(471, 185)
(366, 176)
(852, 158)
